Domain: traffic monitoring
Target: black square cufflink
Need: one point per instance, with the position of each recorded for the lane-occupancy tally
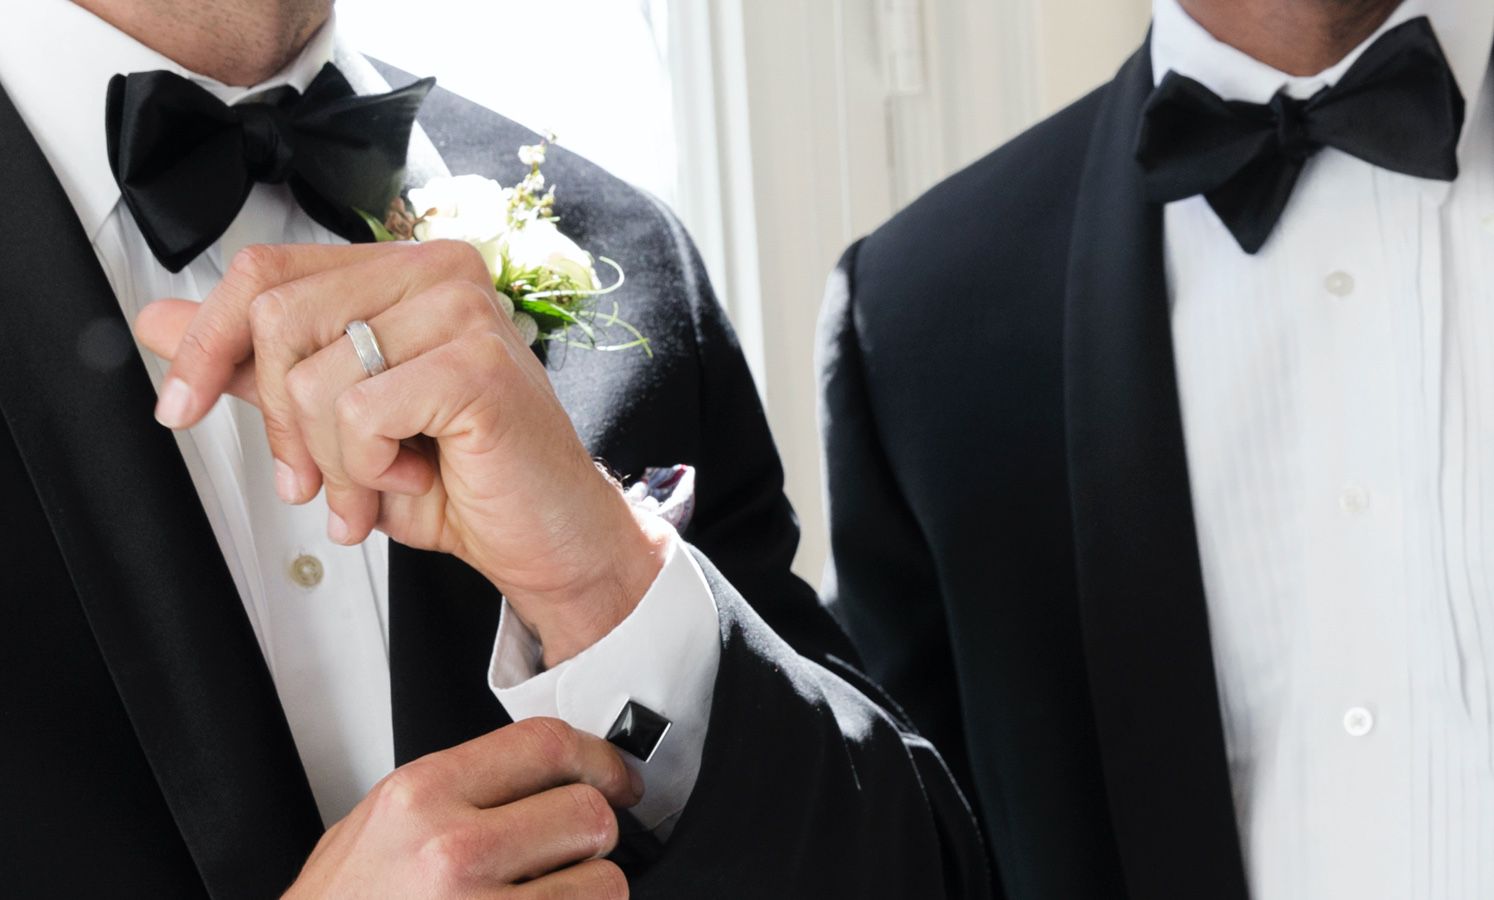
(638, 730)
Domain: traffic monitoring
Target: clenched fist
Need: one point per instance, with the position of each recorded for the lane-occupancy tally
(461, 446)
(524, 812)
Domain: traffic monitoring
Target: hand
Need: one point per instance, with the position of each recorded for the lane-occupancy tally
(461, 446)
(521, 812)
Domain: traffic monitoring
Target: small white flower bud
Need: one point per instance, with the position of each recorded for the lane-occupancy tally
(532, 155)
(529, 329)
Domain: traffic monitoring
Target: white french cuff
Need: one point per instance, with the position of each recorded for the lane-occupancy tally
(664, 656)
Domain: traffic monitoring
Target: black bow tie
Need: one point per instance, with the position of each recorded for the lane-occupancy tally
(1398, 107)
(185, 161)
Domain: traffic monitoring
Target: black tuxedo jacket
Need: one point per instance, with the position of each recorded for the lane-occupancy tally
(143, 751)
(1012, 529)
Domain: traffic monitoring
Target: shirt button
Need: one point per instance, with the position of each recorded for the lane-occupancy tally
(306, 570)
(1354, 501)
(1358, 721)
(1339, 284)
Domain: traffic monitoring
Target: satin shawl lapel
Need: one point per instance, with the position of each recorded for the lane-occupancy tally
(1145, 622)
(154, 588)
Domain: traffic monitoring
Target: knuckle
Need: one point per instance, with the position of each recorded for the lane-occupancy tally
(282, 433)
(258, 263)
(452, 309)
(201, 340)
(451, 857)
(352, 411)
(554, 741)
(428, 774)
(483, 351)
(455, 258)
(440, 254)
(594, 816)
(399, 794)
(617, 773)
(471, 303)
(268, 315)
(302, 386)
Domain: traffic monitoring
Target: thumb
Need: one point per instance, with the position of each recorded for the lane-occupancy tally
(161, 326)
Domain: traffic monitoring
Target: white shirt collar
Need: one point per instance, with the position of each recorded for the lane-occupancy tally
(1180, 44)
(61, 97)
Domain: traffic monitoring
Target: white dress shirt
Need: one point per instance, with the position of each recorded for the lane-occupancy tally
(318, 609)
(1337, 392)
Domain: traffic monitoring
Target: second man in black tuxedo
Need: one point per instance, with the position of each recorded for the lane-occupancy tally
(1156, 479)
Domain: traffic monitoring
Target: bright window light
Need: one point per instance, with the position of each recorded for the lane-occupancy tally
(593, 71)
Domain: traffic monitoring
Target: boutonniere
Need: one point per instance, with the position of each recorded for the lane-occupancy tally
(546, 282)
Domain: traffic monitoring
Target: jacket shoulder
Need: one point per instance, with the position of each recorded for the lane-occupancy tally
(965, 287)
(473, 139)
(994, 210)
(985, 250)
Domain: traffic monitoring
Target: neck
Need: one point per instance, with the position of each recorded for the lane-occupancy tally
(237, 42)
(1299, 37)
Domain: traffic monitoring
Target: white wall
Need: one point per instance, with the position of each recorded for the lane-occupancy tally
(1078, 42)
(838, 143)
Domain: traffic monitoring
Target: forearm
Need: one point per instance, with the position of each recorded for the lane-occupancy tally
(579, 612)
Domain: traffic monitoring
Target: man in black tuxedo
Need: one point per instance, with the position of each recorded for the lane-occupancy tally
(1154, 463)
(165, 734)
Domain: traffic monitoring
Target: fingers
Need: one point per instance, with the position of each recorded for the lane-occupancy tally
(374, 419)
(598, 879)
(471, 395)
(536, 835)
(271, 332)
(218, 339)
(160, 327)
(291, 322)
(545, 836)
(285, 331)
(305, 400)
(529, 757)
(427, 395)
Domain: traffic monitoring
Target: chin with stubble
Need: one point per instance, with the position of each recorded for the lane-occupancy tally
(1299, 37)
(237, 42)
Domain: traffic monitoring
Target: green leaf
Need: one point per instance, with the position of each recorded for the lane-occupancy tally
(380, 233)
(553, 317)
(547, 309)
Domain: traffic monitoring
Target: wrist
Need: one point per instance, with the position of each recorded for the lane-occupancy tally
(622, 564)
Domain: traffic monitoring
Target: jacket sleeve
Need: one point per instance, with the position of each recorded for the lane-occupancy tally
(881, 583)
(811, 785)
(808, 789)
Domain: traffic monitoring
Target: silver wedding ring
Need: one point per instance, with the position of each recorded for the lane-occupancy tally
(367, 348)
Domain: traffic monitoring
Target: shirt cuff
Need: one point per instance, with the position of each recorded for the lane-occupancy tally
(664, 656)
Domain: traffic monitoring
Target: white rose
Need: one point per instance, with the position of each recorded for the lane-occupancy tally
(463, 208)
(540, 245)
